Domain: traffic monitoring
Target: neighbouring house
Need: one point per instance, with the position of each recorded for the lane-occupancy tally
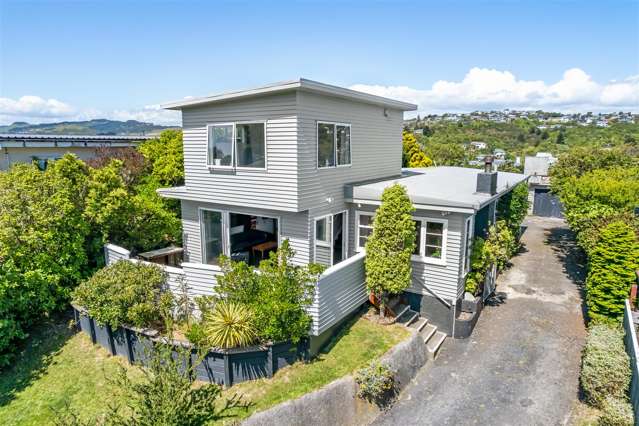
(499, 154)
(41, 149)
(478, 145)
(308, 162)
(542, 202)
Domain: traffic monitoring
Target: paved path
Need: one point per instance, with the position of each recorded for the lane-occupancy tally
(521, 364)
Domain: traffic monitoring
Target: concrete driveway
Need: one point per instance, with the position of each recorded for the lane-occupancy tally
(521, 364)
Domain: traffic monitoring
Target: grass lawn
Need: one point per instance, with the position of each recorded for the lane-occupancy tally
(60, 367)
(359, 342)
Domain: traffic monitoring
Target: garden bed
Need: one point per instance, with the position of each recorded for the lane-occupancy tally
(225, 367)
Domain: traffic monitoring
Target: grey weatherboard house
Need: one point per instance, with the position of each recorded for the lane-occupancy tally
(307, 162)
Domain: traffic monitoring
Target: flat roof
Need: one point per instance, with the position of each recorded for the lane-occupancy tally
(299, 84)
(15, 140)
(445, 187)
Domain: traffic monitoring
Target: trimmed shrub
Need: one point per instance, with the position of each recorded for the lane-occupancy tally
(390, 246)
(616, 412)
(375, 382)
(125, 293)
(611, 271)
(605, 365)
(229, 325)
(513, 207)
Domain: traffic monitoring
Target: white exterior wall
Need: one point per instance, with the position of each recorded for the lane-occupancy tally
(292, 226)
(274, 188)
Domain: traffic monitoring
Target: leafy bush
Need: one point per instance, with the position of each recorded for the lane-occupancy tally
(605, 365)
(611, 271)
(42, 256)
(616, 412)
(513, 207)
(164, 395)
(412, 154)
(229, 325)
(125, 293)
(497, 249)
(278, 293)
(375, 382)
(390, 246)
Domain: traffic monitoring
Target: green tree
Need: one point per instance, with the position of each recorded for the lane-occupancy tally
(611, 273)
(513, 207)
(166, 157)
(389, 248)
(42, 256)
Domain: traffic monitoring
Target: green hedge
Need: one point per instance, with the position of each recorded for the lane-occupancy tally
(616, 412)
(605, 365)
(125, 293)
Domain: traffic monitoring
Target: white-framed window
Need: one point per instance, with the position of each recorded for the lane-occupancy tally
(469, 230)
(322, 226)
(236, 145)
(430, 237)
(333, 144)
(241, 236)
(364, 228)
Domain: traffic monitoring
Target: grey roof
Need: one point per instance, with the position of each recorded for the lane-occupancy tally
(445, 187)
(299, 84)
(33, 140)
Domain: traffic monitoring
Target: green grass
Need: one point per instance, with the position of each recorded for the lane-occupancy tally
(360, 342)
(57, 368)
(61, 368)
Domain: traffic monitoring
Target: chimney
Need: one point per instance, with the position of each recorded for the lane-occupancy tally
(487, 180)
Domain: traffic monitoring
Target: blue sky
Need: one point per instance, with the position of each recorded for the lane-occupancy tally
(82, 59)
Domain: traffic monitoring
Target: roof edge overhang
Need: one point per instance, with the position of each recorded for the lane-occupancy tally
(300, 84)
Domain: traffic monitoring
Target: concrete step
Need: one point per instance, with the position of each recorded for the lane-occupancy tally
(412, 317)
(419, 324)
(435, 342)
(428, 331)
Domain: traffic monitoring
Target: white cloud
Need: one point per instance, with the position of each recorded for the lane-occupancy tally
(486, 89)
(34, 109)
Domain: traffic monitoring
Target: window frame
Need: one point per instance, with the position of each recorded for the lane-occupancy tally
(350, 144)
(233, 165)
(359, 213)
(422, 243)
(328, 224)
(329, 234)
(226, 229)
(469, 228)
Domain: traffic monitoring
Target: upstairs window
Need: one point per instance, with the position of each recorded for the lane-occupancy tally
(241, 145)
(333, 144)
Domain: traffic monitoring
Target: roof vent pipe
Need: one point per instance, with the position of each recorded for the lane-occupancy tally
(487, 180)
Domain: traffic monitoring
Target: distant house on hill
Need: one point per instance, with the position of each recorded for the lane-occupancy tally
(41, 149)
(478, 145)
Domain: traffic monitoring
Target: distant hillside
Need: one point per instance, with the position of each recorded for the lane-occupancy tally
(92, 127)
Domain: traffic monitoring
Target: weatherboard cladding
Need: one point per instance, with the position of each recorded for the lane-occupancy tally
(274, 188)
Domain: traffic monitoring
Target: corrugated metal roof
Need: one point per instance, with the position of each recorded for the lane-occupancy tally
(14, 136)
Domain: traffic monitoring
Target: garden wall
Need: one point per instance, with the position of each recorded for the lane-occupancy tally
(632, 348)
(337, 403)
(225, 367)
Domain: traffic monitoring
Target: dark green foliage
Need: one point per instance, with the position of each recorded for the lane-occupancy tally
(125, 293)
(278, 293)
(613, 262)
(605, 365)
(42, 255)
(390, 246)
(166, 157)
(513, 207)
(375, 383)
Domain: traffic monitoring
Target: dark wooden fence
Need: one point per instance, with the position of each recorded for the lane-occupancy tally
(224, 367)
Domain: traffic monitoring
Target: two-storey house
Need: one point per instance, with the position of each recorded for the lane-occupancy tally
(308, 162)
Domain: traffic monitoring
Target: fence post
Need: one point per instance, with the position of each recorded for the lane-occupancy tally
(228, 374)
(270, 366)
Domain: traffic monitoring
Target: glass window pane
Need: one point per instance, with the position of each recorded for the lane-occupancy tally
(366, 220)
(250, 146)
(435, 228)
(325, 145)
(343, 145)
(435, 252)
(434, 240)
(362, 241)
(212, 225)
(320, 230)
(220, 145)
(365, 232)
(418, 236)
